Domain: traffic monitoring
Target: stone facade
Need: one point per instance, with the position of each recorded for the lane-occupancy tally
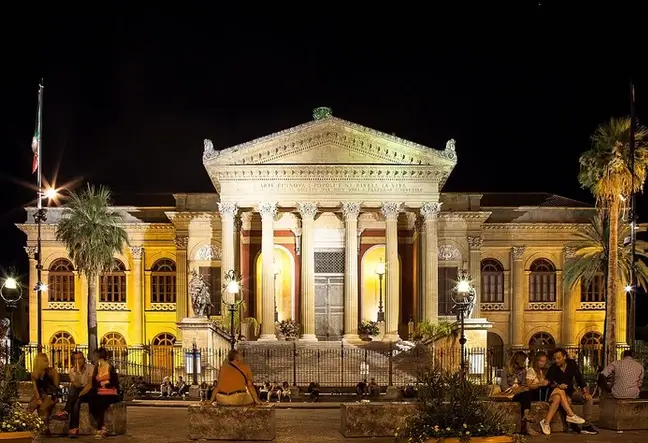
(307, 215)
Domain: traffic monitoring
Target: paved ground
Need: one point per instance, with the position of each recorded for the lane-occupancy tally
(168, 425)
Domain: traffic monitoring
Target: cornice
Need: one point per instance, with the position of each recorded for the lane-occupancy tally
(189, 216)
(534, 226)
(464, 215)
(31, 228)
(369, 141)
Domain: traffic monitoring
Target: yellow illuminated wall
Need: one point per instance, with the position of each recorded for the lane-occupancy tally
(369, 290)
(285, 286)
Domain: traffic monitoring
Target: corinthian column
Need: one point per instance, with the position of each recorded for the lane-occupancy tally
(351, 210)
(518, 300)
(307, 211)
(475, 244)
(392, 300)
(430, 212)
(227, 212)
(268, 211)
(182, 277)
(138, 299)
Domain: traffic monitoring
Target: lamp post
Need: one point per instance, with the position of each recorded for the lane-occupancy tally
(380, 271)
(232, 286)
(463, 297)
(11, 292)
(277, 271)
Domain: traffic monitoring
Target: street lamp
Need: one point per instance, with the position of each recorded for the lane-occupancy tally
(11, 292)
(380, 271)
(233, 287)
(40, 216)
(277, 271)
(463, 297)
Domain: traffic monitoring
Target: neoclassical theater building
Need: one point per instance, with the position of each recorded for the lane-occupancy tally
(307, 215)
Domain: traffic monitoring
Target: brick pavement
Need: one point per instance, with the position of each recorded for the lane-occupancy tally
(168, 425)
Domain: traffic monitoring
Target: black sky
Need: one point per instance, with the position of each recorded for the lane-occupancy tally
(130, 94)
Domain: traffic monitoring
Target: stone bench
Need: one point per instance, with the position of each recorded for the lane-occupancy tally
(115, 420)
(510, 413)
(623, 415)
(232, 423)
(374, 419)
(539, 411)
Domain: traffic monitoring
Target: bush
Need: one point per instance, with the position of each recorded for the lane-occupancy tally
(450, 407)
(289, 328)
(427, 331)
(368, 327)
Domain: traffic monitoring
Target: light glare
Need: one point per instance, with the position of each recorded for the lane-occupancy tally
(11, 283)
(380, 269)
(50, 193)
(233, 287)
(628, 288)
(463, 286)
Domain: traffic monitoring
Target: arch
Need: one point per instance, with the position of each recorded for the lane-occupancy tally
(547, 328)
(542, 281)
(458, 245)
(62, 348)
(542, 340)
(61, 281)
(163, 281)
(158, 255)
(496, 351)
(370, 284)
(207, 251)
(592, 327)
(591, 349)
(163, 339)
(112, 284)
(162, 356)
(283, 259)
(492, 281)
(546, 255)
(115, 344)
(47, 261)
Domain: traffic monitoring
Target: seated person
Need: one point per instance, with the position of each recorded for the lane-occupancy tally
(374, 389)
(285, 391)
(513, 382)
(46, 382)
(181, 387)
(235, 383)
(361, 389)
(166, 388)
(627, 374)
(409, 391)
(536, 377)
(141, 386)
(79, 392)
(204, 391)
(314, 390)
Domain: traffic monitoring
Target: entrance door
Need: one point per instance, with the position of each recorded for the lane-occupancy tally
(329, 295)
(329, 307)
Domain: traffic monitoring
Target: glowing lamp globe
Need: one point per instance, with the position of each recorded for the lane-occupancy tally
(463, 286)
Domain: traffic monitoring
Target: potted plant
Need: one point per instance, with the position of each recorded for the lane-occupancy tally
(289, 328)
(128, 384)
(451, 411)
(368, 329)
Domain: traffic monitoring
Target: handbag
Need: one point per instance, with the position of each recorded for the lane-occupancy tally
(496, 394)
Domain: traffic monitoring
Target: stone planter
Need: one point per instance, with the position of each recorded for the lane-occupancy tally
(291, 338)
(17, 437)
(128, 398)
(365, 337)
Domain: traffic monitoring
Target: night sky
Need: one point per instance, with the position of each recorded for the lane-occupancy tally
(131, 94)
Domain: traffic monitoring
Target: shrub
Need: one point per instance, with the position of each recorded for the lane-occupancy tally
(289, 328)
(368, 327)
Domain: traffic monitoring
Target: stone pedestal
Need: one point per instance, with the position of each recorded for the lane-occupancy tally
(232, 423)
(539, 411)
(623, 415)
(476, 331)
(202, 332)
(374, 419)
(116, 419)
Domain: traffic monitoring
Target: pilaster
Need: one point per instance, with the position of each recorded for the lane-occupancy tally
(268, 211)
(307, 211)
(137, 253)
(351, 210)
(182, 278)
(475, 244)
(518, 299)
(390, 211)
(430, 212)
(227, 211)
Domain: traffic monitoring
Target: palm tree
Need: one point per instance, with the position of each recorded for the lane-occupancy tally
(605, 171)
(92, 234)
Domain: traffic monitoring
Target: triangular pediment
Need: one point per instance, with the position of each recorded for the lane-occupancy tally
(329, 141)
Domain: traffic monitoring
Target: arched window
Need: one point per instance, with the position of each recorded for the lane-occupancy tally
(163, 281)
(115, 344)
(542, 340)
(164, 339)
(542, 281)
(60, 281)
(62, 347)
(162, 356)
(592, 349)
(113, 284)
(495, 349)
(492, 281)
(594, 291)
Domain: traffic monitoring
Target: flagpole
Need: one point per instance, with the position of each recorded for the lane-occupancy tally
(40, 216)
(633, 226)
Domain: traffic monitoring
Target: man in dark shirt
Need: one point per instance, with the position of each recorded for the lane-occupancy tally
(562, 375)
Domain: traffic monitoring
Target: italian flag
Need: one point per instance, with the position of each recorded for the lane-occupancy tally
(35, 143)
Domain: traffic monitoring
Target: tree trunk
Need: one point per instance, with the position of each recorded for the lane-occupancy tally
(92, 316)
(612, 281)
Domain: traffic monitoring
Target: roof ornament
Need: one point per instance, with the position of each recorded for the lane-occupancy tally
(209, 149)
(322, 112)
(450, 149)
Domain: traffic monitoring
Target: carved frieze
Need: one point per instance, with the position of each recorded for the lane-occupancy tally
(31, 252)
(492, 306)
(163, 306)
(208, 252)
(449, 253)
(542, 306)
(518, 252)
(570, 252)
(137, 252)
(61, 305)
(181, 242)
(112, 306)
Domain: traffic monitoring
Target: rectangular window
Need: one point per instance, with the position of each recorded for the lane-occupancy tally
(447, 282)
(594, 291)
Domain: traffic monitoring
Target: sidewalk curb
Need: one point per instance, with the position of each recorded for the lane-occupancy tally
(181, 405)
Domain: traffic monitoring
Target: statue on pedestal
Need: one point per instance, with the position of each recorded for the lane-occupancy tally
(200, 296)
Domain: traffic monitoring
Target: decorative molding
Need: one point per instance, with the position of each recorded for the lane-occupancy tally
(534, 226)
(449, 253)
(163, 306)
(592, 306)
(542, 306)
(431, 210)
(31, 252)
(518, 252)
(227, 209)
(390, 210)
(61, 305)
(136, 252)
(491, 306)
(351, 210)
(208, 252)
(267, 209)
(112, 306)
(307, 209)
(475, 243)
(181, 242)
(570, 252)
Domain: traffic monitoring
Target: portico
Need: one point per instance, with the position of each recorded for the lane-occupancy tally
(337, 171)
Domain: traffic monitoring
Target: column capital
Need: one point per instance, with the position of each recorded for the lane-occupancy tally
(136, 252)
(430, 210)
(351, 210)
(227, 209)
(267, 209)
(31, 252)
(390, 210)
(307, 209)
(181, 242)
(238, 224)
(570, 252)
(518, 252)
(475, 242)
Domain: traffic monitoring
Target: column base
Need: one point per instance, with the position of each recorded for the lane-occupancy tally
(391, 337)
(267, 337)
(308, 337)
